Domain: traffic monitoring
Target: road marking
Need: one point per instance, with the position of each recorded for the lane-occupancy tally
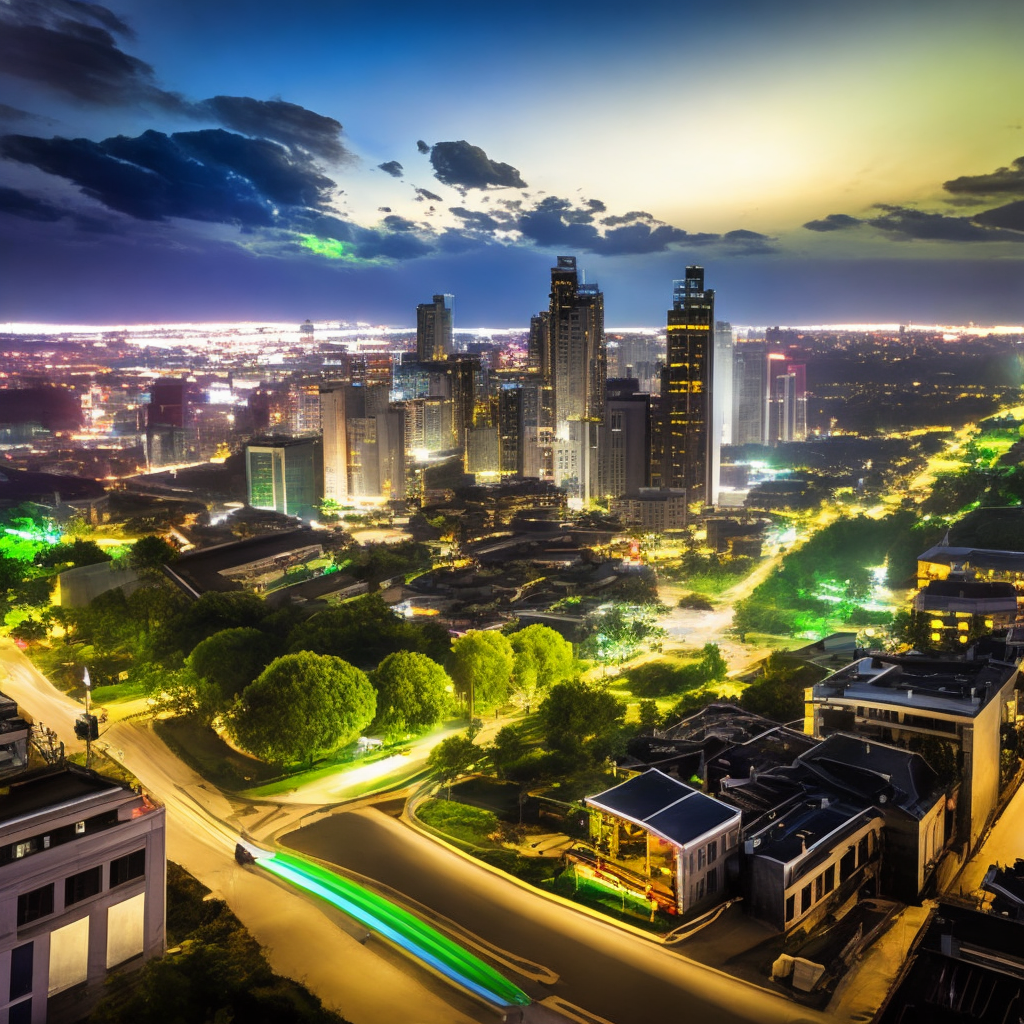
(573, 1012)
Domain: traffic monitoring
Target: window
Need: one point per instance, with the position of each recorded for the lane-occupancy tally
(83, 885)
(830, 878)
(124, 869)
(712, 881)
(69, 956)
(819, 887)
(126, 930)
(21, 970)
(862, 851)
(805, 899)
(79, 828)
(24, 849)
(700, 889)
(20, 1013)
(790, 908)
(701, 859)
(712, 851)
(35, 904)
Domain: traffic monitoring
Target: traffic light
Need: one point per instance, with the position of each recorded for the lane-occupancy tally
(87, 727)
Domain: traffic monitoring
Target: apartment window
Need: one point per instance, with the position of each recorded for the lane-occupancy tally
(805, 899)
(830, 878)
(790, 908)
(862, 851)
(819, 888)
(35, 904)
(712, 851)
(24, 849)
(20, 1013)
(124, 869)
(21, 970)
(712, 877)
(83, 885)
(700, 889)
(701, 859)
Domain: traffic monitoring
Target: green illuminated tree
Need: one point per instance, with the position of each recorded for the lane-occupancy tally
(413, 692)
(481, 664)
(541, 658)
(228, 662)
(151, 552)
(451, 758)
(302, 704)
(576, 714)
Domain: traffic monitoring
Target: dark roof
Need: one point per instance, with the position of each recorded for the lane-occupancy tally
(806, 824)
(671, 809)
(969, 588)
(51, 787)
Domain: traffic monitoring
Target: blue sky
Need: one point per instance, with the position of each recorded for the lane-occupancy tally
(196, 160)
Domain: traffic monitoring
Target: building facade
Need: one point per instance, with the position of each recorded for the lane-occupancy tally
(286, 476)
(434, 328)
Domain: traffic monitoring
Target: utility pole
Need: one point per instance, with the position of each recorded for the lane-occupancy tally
(88, 740)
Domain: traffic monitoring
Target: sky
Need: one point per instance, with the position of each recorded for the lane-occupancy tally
(825, 162)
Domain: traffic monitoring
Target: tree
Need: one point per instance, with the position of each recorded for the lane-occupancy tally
(650, 718)
(713, 666)
(301, 704)
(213, 612)
(150, 553)
(74, 555)
(541, 658)
(510, 746)
(451, 758)
(413, 692)
(229, 661)
(576, 713)
(481, 664)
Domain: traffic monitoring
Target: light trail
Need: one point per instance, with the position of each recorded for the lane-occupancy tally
(397, 925)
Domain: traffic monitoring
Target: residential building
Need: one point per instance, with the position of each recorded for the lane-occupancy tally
(286, 476)
(83, 876)
(689, 440)
(787, 400)
(168, 424)
(624, 440)
(334, 423)
(654, 509)
(750, 390)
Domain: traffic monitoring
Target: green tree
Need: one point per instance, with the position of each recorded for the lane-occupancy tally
(575, 714)
(213, 612)
(451, 758)
(413, 692)
(712, 665)
(650, 718)
(541, 658)
(509, 747)
(74, 555)
(481, 664)
(301, 704)
(229, 661)
(150, 553)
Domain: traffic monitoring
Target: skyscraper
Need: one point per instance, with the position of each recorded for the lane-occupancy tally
(286, 476)
(434, 337)
(750, 391)
(625, 439)
(688, 390)
(333, 420)
(575, 339)
(787, 399)
(169, 426)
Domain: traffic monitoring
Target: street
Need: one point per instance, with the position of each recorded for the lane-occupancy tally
(603, 969)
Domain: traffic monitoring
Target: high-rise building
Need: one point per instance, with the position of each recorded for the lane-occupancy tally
(750, 391)
(723, 363)
(434, 337)
(510, 431)
(625, 439)
(304, 408)
(575, 339)
(334, 422)
(787, 399)
(286, 476)
(688, 389)
(168, 424)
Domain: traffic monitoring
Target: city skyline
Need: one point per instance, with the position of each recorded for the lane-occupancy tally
(823, 165)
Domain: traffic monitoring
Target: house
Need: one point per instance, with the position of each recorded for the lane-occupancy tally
(665, 838)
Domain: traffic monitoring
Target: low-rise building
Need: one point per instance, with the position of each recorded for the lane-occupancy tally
(655, 509)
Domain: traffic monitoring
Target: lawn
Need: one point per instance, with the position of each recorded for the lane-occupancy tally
(117, 692)
(206, 753)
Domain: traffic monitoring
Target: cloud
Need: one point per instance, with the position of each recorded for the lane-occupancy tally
(466, 166)
(209, 175)
(69, 47)
(422, 146)
(1005, 180)
(396, 223)
(14, 114)
(908, 224)
(284, 122)
(833, 222)
(18, 204)
(392, 167)
(1010, 217)
(596, 205)
(627, 218)
(423, 194)
(476, 219)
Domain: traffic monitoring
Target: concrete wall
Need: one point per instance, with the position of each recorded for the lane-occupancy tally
(76, 588)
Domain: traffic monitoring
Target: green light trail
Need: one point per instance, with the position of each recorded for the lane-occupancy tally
(331, 248)
(396, 925)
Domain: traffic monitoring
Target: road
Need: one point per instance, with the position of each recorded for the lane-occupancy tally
(608, 972)
(1003, 845)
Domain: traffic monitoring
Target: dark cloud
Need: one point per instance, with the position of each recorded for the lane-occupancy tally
(475, 219)
(1009, 217)
(18, 204)
(627, 218)
(833, 222)
(383, 209)
(392, 167)
(396, 223)
(596, 205)
(466, 166)
(69, 47)
(904, 223)
(209, 175)
(422, 146)
(284, 122)
(1005, 180)
(14, 114)
(422, 194)
(742, 242)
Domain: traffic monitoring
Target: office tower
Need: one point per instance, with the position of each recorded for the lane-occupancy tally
(510, 431)
(304, 408)
(787, 399)
(434, 338)
(538, 427)
(429, 425)
(334, 422)
(687, 384)
(375, 436)
(578, 372)
(168, 424)
(286, 476)
(625, 439)
(723, 364)
(538, 359)
(482, 452)
(750, 391)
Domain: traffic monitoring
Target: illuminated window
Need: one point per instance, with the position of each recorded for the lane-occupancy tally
(126, 928)
(69, 956)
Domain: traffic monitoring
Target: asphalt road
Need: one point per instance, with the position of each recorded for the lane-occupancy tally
(609, 973)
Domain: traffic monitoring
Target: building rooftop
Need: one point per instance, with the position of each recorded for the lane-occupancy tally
(977, 558)
(49, 788)
(662, 805)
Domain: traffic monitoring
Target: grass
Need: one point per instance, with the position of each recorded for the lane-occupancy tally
(471, 825)
(117, 692)
(612, 905)
(206, 753)
(712, 584)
